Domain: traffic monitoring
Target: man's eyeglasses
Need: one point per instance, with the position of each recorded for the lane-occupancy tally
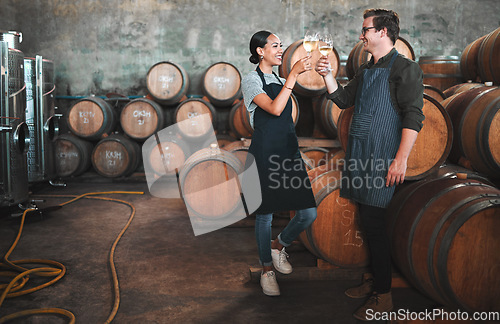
(365, 29)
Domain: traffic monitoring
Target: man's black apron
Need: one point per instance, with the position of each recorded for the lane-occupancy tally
(374, 139)
(283, 178)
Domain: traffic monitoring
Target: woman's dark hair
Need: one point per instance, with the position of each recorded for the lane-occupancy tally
(259, 39)
(384, 18)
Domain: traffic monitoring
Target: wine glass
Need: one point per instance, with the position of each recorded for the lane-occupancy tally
(311, 40)
(326, 46)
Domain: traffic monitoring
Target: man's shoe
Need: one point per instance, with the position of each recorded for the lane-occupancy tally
(377, 303)
(363, 290)
(269, 284)
(280, 261)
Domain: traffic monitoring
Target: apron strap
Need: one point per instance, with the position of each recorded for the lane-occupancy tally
(393, 58)
(265, 86)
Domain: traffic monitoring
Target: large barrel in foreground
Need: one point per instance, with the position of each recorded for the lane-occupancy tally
(444, 241)
(335, 235)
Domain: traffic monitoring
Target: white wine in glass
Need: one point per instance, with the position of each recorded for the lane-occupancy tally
(311, 40)
(326, 45)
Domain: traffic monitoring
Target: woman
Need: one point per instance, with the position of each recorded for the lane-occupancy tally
(283, 178)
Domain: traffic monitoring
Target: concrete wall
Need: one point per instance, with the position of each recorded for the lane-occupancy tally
(102, 46)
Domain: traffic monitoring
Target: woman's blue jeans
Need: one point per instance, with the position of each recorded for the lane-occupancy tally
(303, 219)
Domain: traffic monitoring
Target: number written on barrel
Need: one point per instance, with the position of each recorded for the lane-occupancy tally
(165, 80)
(221, 82)
(140, 115)
(86, 116)
(351, 237)
(113, 156)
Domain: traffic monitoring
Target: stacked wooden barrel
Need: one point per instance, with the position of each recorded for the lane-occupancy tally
(444, 243)
(479, 60)
(94, 123)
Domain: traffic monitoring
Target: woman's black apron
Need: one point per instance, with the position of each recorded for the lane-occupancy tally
(374, 139)
(283, 178)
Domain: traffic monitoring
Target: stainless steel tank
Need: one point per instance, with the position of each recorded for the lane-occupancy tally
(40, 87)
(14, 133)
(13, 38)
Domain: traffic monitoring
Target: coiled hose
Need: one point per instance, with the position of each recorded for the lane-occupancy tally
(55, 269)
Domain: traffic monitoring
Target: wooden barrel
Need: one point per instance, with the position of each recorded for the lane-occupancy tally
(316, 155)
(469, 60)
(434, 141)
(141, 118)
(239, 118)
(335, 158)
(116, 156)
(308, 162)
(239, 121)
(335, 235)
(433, 144)
(224, 139)
(195, 129)
(166, 157)
(221, 83)
(344, 125)
(358, 56)
(204, 171)
(441, 72)
(342, 77)
(167, 82)
(489, 58)
(239, 149)
(328, 113)
(72, 155)
(444, 242)
(475, 114)
(461, 87)
(310, 83)
(450, 170)
(91, 118)
(434, 92)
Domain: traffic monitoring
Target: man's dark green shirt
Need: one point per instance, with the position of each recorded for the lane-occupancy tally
(405, 86)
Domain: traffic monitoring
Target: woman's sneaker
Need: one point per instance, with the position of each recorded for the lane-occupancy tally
(269, 284)
(280, 261)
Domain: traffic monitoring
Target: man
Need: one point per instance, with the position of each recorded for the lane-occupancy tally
(387, 93)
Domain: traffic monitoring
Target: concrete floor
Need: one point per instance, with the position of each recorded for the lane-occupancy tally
(166, 274)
